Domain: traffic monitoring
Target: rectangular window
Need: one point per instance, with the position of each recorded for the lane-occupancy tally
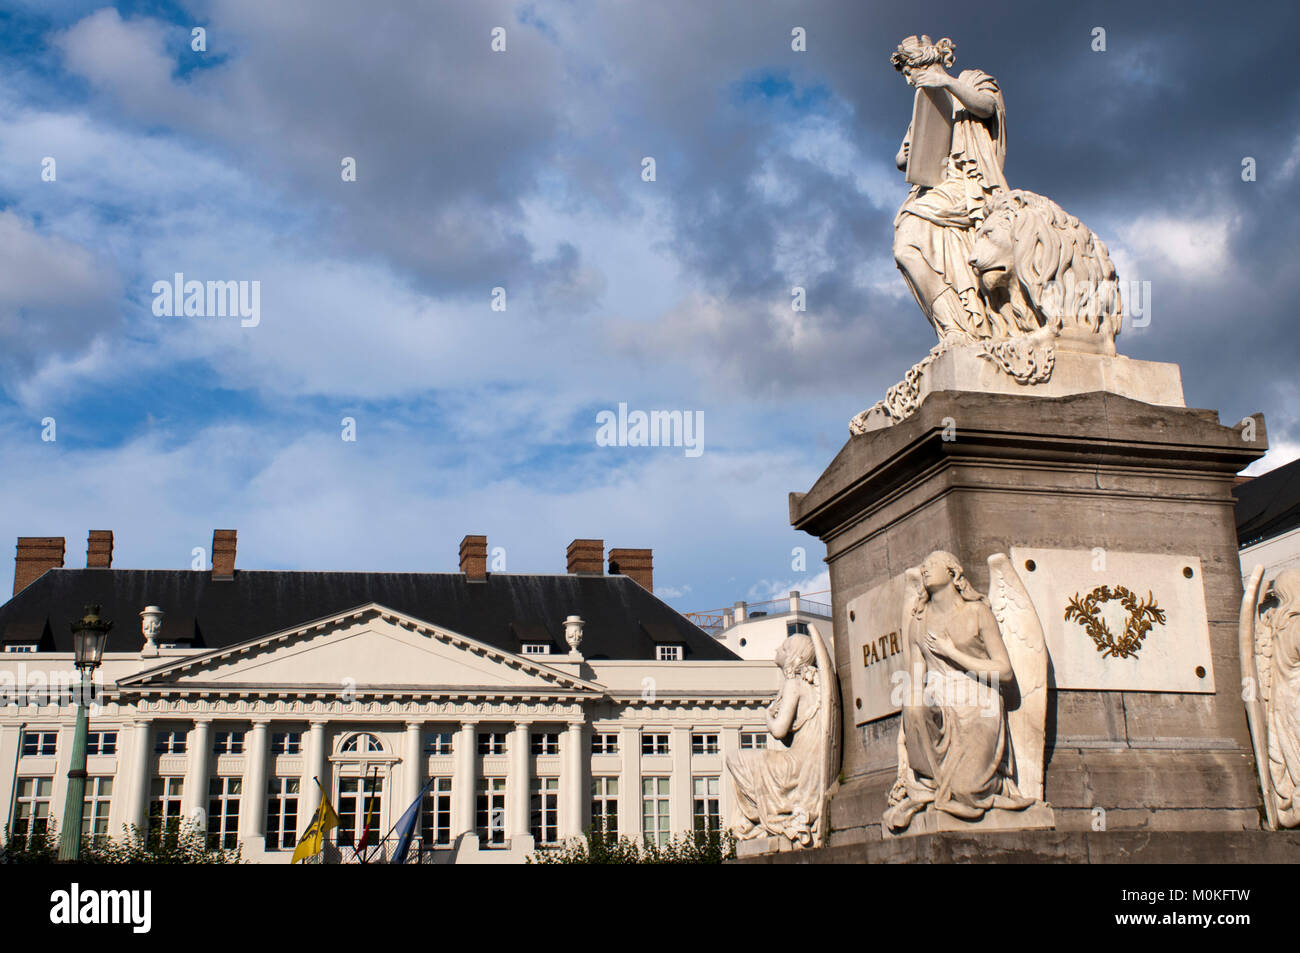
(281, 813)
(101, 742)
(438, 742)
(706, 805)
(32, 814)
(544, 816)
(94, 810)
(40, 743)
(604, 743)
(705, 743)
(753, 740)
(170, 742)
(21, 647)
(654, 810)
(654, 744)
(536, 648)
(604, 805)
(286, 742)
(492, 742)
(228, 742)
(796, 628)
(165, 802)
(668, 653)
(360, 803)
(223, 813)
(435, 819)
(546, 742)
(490, 812)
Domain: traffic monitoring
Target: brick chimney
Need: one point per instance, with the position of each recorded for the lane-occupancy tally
(99, 549)
(35, 555)
(223, 553)
(636, 564)
(587, 556)
(473, 558)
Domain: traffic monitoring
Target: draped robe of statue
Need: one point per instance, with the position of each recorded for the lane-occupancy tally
(956, 748)
(775, 785)
(954, 208)
(1284, 714)
(780, 790)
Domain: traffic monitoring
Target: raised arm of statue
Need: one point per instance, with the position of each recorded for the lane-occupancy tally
(904, 148)
(780, 716)
(978, 102)
(998, 663)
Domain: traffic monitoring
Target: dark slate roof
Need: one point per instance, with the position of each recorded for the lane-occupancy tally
(1269, 504)
(622, 620)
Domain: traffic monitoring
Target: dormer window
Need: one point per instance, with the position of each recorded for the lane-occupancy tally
(536, 648)
(668, 653)
(21, 647)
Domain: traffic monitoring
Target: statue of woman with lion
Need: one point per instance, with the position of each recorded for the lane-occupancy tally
(987, 263)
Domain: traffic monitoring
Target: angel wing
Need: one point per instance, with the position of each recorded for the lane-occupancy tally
(913, 591)
(1023, 635)
(1255, 650)
(829, 685)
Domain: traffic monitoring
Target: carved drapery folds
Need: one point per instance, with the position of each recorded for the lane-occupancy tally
(1269, 643)
(781, 791)
(971, 736)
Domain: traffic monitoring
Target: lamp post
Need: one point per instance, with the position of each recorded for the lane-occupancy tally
(88, 638)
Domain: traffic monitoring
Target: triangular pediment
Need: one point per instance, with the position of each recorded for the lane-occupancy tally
(370, 647)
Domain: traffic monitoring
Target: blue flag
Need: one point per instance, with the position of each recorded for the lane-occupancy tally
(406, 826)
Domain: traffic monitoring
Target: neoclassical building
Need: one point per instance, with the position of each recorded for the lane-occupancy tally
(1268, 520)
(536, 704)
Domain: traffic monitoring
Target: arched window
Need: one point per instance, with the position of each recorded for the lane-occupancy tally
(362, 743)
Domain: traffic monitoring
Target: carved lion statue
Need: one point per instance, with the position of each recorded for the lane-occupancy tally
(1041, 268)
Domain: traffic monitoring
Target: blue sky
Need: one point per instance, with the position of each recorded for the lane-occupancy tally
(522, 170)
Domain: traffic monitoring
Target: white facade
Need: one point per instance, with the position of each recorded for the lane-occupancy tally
(524, 747)
(1274, 554)
(755, 637)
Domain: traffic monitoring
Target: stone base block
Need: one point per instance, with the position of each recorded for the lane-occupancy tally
(1057, 847)
(762, 845)
(1035, 817)
(964, 369)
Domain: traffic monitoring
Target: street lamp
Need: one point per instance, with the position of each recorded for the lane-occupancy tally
(88, 638)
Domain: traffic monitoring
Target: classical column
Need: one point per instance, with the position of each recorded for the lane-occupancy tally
(10, 745)
(679, 788)
(465, 783)
(413, 769)
(629, 784)
(519, 786)
(573, 782)
(726, 788)
(252, 804)
(194, 799)
(137, 811)
(314, 767)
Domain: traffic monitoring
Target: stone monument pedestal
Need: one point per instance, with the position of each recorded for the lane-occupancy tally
(1055, 847)
(1141, 491)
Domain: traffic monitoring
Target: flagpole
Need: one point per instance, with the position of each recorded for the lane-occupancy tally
(419, 806)
(419, 801)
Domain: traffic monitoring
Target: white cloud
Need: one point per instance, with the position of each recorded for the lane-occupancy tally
(1193, 248)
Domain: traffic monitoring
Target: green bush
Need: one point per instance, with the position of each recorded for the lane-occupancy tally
(175, 843)
(600, 847)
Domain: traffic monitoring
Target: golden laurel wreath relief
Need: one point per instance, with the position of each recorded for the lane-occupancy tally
(1142, 615)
